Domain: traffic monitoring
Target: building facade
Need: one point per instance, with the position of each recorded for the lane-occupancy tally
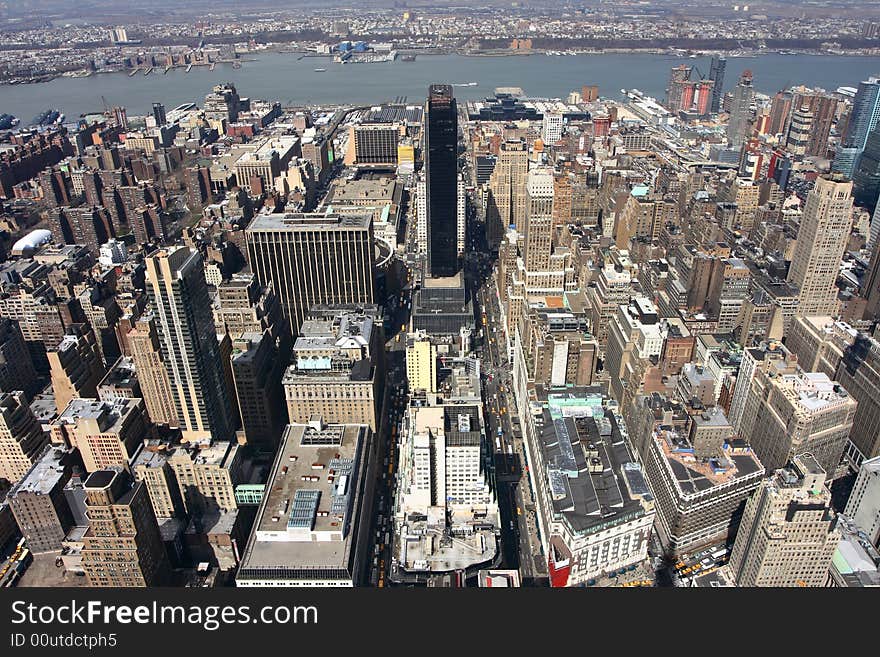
(822, 238)
(787, 534)
(21, 437)
(312, 259)
(38, 501)
(441, 173)
(188, 344)
(122, 547)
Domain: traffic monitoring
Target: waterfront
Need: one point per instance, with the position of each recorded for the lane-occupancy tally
(293, 80)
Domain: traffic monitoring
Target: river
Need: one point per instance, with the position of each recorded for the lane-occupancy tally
(286, 77)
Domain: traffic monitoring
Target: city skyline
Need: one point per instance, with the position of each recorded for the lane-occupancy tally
(513, 322)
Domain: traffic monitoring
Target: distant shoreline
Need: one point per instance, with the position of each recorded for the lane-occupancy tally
(746, 54)
(292, 80)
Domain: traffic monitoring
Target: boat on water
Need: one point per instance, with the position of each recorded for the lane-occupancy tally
(48, 117)
(320, 70)
(40, 118)
(466, 84)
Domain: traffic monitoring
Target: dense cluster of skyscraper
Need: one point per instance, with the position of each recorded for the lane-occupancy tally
(684, 308)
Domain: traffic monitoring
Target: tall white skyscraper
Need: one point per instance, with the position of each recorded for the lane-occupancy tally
(188, 342)
(552, 128)
(863, 506)
(787, 534)
(821, 241)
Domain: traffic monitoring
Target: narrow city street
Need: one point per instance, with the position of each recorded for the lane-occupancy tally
(520, 544)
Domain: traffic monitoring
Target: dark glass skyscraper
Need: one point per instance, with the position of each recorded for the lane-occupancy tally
(441, 171)
(866, 177)
(159, 114)
(863, 119)
(716, 74)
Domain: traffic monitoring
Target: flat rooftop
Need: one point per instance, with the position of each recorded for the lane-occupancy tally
(694, 475)
(362, 191)
(856, 560)
(433, 553)
(359, 371)
(346, 331)
(717, 578)
(303, 221)
(43, 407)
(217, 453)
(499, 578)
(593, 477)
(109, 415)
(393, 114)
(44, 474)
(812, 392)
(121, 375)
(152, 454)
(775, 287)
(312, 497)
(245, 347)
(100, 479)
(335, 347)
(764, 350)
(450, 282)
(277, 145)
